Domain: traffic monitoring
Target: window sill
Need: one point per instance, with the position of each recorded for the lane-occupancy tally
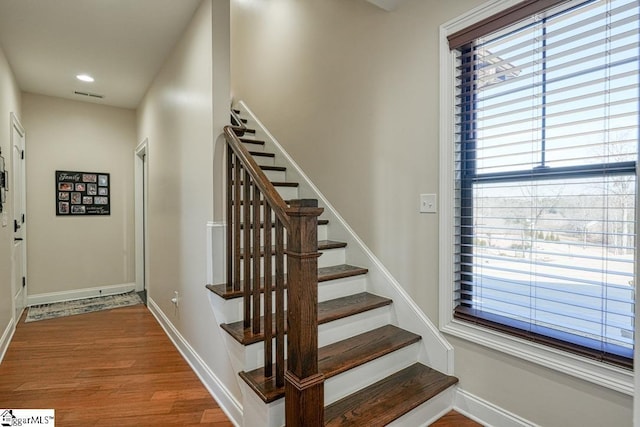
(602, 374)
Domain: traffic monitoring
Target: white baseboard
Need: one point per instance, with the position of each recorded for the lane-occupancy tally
(487, 413)
(75, 294)
(231, 407)
(6, 337)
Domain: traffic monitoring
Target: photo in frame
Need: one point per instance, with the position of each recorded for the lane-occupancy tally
(82, 193)
(3, 183)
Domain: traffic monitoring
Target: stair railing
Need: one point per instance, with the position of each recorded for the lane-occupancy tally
(254, 208)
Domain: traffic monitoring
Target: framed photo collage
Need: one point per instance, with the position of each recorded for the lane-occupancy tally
(82, 193)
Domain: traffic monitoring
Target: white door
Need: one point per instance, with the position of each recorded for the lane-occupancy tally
(17, 188)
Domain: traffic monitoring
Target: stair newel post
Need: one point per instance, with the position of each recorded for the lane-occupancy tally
(304, 385)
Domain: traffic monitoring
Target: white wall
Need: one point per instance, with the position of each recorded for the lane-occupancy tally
(352, 92)
(181, 118)
(9, 103)
(67, 254)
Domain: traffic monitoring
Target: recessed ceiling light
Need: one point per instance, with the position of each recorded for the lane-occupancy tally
(85, 78)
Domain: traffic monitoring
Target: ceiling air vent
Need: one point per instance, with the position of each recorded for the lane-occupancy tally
(89, 94)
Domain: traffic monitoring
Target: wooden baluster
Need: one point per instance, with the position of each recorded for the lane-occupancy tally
(279, 304)
(246, 231)
(255, 259)
(304, 385)
(230, 219)
(268, 318)
(236, 224)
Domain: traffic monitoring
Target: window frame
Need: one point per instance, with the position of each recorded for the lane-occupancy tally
(607, 375)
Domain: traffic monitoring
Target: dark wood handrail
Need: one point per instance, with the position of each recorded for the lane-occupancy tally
(250, 243)
(267, 189)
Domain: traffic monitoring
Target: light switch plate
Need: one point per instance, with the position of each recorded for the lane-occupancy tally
(428, 203)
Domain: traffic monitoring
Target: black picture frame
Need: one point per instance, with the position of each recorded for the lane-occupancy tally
(4, 182)
(76, 193)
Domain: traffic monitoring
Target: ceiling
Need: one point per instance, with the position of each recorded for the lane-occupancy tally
(121, 43)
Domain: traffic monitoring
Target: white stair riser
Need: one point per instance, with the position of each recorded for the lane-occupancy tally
(287, 193)
(323, 232)
(237, 353)
(427, 413)
(264, 161)
(258, 414)
(322, 235)
(262, 216)
(332, 289)
(328, 258)
(232, 310)
(348, 382)
(252, 147)
(253, 355)
(278, 176)
(341, 329)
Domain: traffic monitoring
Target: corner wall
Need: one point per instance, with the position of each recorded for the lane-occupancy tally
(9, 103)
(69, 254)
(182, 115)
(351, 91)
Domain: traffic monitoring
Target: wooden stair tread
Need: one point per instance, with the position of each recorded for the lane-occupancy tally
(339, 272)
(277, 183)
(324, 274)
(389, 398)
(339, 357)
(323, 245)
(320, 222)
(273, 168)
(261, 154)
(252, 141)
(327, 311)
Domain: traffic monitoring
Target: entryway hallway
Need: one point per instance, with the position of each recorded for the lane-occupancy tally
(108, 368)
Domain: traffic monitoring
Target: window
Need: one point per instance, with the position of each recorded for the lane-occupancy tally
(544, 180)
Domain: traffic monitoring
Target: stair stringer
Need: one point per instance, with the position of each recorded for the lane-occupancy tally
(436, 351)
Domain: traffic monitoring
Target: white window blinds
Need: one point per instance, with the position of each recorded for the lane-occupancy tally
(547, 145)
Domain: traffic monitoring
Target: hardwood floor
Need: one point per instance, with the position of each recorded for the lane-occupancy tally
(112, 368)
(454, 419)
(109, 368)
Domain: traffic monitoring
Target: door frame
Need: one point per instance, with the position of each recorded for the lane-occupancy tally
(17, 126)
(141, 178)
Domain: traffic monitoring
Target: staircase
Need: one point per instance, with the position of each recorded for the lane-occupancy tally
(378, 358)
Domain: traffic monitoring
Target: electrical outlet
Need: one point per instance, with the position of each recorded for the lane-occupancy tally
(176, 298)
(428, 203)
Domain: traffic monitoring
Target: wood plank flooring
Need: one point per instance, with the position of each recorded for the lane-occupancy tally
(107, 368)
(112, 368)
(455, 419)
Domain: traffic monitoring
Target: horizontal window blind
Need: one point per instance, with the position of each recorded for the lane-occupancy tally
(546, 153)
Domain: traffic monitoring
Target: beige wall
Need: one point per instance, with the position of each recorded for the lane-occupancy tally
(9, 103)
(178, 116)
(72, 253)
(352, 92)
